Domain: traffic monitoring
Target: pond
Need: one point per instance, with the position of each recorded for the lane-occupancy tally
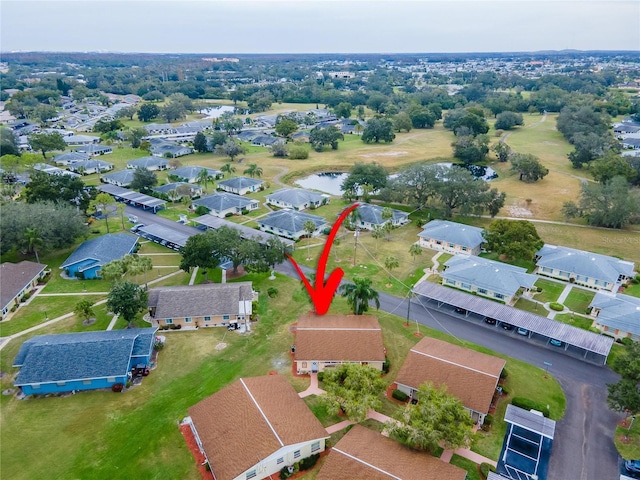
(330, 182)
(216, 112)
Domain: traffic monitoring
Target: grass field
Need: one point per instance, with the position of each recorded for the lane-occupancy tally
(550, 290)
(627, 439)
(134, 435)
(529, 306)
(575, 320)
(468, 465)
(579, 300)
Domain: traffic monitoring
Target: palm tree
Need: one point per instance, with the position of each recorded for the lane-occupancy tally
(390, 263)
(377, 232)
(387, 216)
(204, 178)
(359, 294)
(33, 241)
(173, 195)
(309, 227)
(227, 168)
(415, 250)
(253, 170)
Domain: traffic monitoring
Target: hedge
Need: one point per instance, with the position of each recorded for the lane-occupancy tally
(400, 395)
(529, 404)
(485, 468)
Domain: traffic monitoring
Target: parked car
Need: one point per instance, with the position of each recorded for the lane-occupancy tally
(507, 326)
(136, 227)
(522, 331)
(490, 321)
(556, 343)
(460, 310)
(632, 466)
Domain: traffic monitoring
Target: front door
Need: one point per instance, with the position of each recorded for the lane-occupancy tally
(314, 367)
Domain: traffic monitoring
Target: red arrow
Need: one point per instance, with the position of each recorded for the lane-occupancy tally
(322, 294)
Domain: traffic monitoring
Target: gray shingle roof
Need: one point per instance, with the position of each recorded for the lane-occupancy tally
(92, 164)
(295, 196)
(452, 232)
(221, 201)
(104, 249)
(240, 182)
(147, 162)
(210, 221)
(494, 276)
(15, 276)
(291, 220)
(94, 149)
(617, 311)
(199, 300)
(71, 157)
(191, 172)
(593, 265)
(373, 214)
(168, 187)
(124, 177)
(78, 356)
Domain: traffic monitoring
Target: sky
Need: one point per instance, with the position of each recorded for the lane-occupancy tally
(318, 26)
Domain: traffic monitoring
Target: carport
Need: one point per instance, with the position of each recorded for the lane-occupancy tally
(163, 235)
(527, 444)
(592, 346)
(133, 198)
(209, 221)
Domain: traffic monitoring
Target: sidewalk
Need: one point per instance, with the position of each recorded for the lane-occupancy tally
(313, 387)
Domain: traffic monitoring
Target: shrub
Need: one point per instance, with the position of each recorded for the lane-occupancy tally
(558, 307)
(25, 297)
(635, 281)
(485, 468)
(386, 365)
(201, 210)
(505, 392)
(117, 387)
(298, 153)
(488, 419)
(320, 376)
(399, 395)
(539, 289)
(309, 462)
(272, 292)
(128, 383)
(626, 341)
(158, 345)
(179, 326)
(529, 404)
(504, 374)
(207, 467)
(284, 473)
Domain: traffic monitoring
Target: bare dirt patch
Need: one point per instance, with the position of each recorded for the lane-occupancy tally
(515, 211)
(393, 153)
(221, 346)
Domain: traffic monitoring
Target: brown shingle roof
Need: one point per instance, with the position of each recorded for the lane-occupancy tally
(249, 420)
(15, 276)
(469, 375)
(199, 300)
(380, 458)
(354, 338)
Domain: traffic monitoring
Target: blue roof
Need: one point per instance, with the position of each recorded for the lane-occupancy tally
(373, 214)
(291, 220)
(452, 232)
(146, 162)
(221, 201)
(79, 356)
(240, 182)
(192, 171)
(103, 249)
(125, 177)
(618, 312)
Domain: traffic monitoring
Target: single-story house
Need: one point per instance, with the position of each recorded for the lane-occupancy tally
(365, 453)
(470, 376)
(172, 150)
(264, 140)
(121, 178)
(240, 185)
(190, 173)
(87, 260)
(51, 170)
(195, 190)
(290, 223)
(70, 157)
(95, 150)
(588, 269)
(80, 140)
(17, 279)
(254, 427)
(149, 163)
(207, 305)
(87, 167)
(301, 137)
(247, 135)
(617, 314)
(155, 128)
(296, 199)
(451, 237)
(630, 142)
(82, 361)
(626, 128)
(331, 340)
(371, 215)
(485, 277)
(222, 204)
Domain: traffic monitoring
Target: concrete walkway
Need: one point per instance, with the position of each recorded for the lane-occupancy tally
(313, 387)
(565, 293)
(193, 276)
(468, 454)
(431, 271)
(113, 321)
(339, 426)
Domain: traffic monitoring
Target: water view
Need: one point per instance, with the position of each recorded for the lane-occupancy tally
(330, 182)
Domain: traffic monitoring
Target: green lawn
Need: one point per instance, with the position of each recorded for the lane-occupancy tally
(94, 431)
(518, 262)
(633, 290)
(529, 306)
(468, 465)
(320, 411)
(579, 300)
(550, 290)
(575, 320)
(627, 440)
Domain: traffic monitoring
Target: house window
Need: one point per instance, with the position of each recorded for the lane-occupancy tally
(315, 446)
(86, 382)
(207, 319)
(187, 319)
(280, 460)
(450, 282)
(111, 379)
(438, 242)
(304, 364)
(466, 286)
(464, 249)
(451, 245)
(35, 386)
(251, 474)
(296, 454)
(225, 317)
(482, 290)
(61, 384)
(169, 321)
(498, 295)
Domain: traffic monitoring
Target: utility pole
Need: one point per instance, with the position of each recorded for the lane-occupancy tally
(408, 308)
(355, 245)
